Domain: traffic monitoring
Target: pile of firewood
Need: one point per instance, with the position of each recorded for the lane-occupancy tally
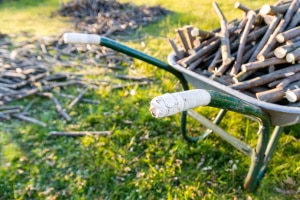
(107, 17)
(257, 55)
(28, 68)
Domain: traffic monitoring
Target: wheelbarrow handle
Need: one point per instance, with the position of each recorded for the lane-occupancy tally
(83, 38)
(172, 103)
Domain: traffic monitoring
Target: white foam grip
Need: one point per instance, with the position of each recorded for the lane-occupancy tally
(81, 38)
(172, 103)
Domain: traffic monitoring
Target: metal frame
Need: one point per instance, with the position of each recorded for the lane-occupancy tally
(265, 147)
(266, 143)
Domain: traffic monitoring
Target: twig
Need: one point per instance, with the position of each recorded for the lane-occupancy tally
(250, 66)
(28, 106)
(281, 27)
(241, 7)
(82, 99)
(287, 35)
(58, 106)
(6, 107)
(281, 51)
(265, 38)
(79, 133)
(236, 67)
(77, 99)
(285, 72)
(29, 119)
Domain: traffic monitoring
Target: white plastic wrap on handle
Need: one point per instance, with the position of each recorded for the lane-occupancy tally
(172, 103)
(82, 38)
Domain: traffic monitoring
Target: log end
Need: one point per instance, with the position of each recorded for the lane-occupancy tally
(290, 58)
(265, 9)
(237, 4)
(291, 96)
(280, 38)
(195, 32)
(280, 52)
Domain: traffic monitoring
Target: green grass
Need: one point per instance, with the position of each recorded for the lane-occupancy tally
(144, 158)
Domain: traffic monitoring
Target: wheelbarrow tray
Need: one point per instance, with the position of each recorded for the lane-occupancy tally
(280, 115)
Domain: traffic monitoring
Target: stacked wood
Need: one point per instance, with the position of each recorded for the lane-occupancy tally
(28, 69)
(107, 17)
(257, 55)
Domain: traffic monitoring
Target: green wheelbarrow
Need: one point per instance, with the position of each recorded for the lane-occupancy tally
(211, 93)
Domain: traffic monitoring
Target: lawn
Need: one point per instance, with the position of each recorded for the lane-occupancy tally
(143, 157)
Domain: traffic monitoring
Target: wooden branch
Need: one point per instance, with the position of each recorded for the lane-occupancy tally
(265, 38)
(29, 119)
(268, 19)
(77, 99)
(117, 87)
(289, 34)
(179, 54)
(204, 43)
(258, 81)
(256, 34)
(295, 20)
(241, 7)
(224, 37)
(288, 80)
(222, 69)
(262, 64)
(236, 67)
(12, 75)
(23, 94)
(204, 51)
(82, 99)
(182, 38)
(10, 111)
(132, 78)
(190, 37)
(60, 110)
(5, 117)
(201, 33)
(273, 95)
(29, 105)
(281, 27)
(293, 56)
(281, 51)
(58, 106)
(268, 9)
(195, 64)
(79, 133)
(213, 65)
(7, 107)
(248, 53)
(219, 12)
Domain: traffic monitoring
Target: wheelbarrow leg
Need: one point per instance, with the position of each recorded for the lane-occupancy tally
(199, 118)
(260, 160)
(271, 148)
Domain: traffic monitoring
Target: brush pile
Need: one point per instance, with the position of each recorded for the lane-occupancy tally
(109, 17)
(257, 55)
(44, 67)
